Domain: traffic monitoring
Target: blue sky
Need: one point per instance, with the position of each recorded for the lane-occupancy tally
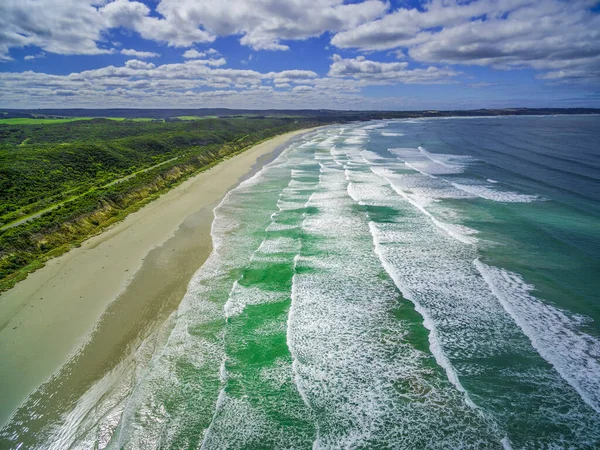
(361, 54)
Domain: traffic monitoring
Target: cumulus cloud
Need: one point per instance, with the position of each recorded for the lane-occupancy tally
(206, 82)
(36, 56)
(191, 54)
(364, 69)
(560, 39)
(200, 81)
(560, 36)
(136, 64)
(292, 77)
(174, 28)
(302, 89)
(192, 83)
(79, 26)
(194, 54)
(263, 24)
(66, 27)
(139, 54)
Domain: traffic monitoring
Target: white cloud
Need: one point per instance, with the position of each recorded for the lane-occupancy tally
(203, 81)
(264, 23)
(136, 64)
(192, 84)
(560, 39)
(394, 72)
(65, 27)
(302, 89)
(206, 82)
(194, 54)
(191, 54)
(292, 77)
(175, 28)
(36, 56)
(79, 26)
(543, 35)
(139, 54)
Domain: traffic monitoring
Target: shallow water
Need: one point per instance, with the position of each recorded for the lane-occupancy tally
(398, 284)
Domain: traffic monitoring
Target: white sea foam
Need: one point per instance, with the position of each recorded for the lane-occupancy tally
(237, 414)
(554, 333)
(241, 297)
(372, 156)
(389, 134)
(434, 341)
(236, 424)
(342, 331)
(374, 126)
(467, 324)
(431, 164)
(356, 140)
(436, 165)
(495, 195)
(459, 308)
(456, 231)
(292, 198)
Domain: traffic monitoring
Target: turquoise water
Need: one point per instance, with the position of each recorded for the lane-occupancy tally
(400, 284)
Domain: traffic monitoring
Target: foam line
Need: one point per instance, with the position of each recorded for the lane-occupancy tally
(428, 323)
(453, 231)
(494, 195)
(234, 412)
(444, 164)
(240, 297)
(554, 334)
(431, 164)
(434, 342)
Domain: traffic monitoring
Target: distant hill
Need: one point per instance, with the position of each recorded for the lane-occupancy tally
(314, 113)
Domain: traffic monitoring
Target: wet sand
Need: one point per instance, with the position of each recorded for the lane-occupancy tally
(94, 304)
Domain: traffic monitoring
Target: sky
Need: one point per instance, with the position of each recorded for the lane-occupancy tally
(293, 54)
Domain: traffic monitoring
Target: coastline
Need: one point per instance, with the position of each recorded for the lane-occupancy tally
(97, 300)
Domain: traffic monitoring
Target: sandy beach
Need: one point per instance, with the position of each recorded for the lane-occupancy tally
(97, 300)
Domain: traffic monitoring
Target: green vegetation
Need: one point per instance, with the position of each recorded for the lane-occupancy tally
(195, 117)
(46, 120)
(62, 182)
(39, 121)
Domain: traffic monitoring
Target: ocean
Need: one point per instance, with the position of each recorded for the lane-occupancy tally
(403, 284)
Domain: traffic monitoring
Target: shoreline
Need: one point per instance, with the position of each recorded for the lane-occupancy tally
(91, 303)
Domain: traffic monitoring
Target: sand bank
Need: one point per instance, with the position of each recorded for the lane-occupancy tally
(117, 284)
